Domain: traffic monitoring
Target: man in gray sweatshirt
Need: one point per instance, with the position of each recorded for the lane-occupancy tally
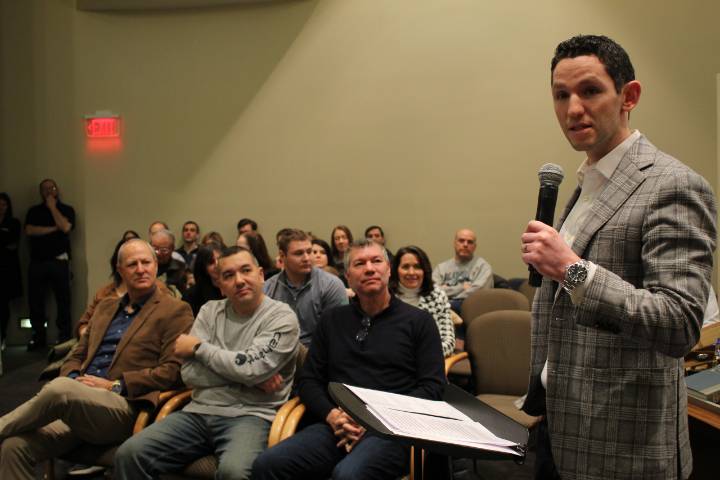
(240, 359)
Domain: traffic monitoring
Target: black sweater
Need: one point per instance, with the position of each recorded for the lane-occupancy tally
(402, 353)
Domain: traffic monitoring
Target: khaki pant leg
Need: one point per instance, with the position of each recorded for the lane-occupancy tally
(95, 415)
(20, 454)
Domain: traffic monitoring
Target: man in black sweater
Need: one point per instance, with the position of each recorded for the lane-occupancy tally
(376, 342)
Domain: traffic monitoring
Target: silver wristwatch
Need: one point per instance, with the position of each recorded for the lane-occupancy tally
(575, 274)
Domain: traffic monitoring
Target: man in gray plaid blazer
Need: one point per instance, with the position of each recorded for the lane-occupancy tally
(626, 281)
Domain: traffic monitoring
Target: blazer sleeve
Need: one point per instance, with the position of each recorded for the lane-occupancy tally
(165, 374)
(665, 308)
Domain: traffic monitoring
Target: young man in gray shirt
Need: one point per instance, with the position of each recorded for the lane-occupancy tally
(240, 359)
(308, 290)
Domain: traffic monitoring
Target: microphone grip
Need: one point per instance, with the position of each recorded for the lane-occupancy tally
(547, 198)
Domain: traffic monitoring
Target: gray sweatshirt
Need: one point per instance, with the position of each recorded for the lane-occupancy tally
(451, 276)
(238, 353)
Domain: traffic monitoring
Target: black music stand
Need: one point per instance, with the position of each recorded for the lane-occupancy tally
(493, 420)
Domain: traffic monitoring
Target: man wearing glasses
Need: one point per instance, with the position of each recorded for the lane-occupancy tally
(376, 342)
(170, 270)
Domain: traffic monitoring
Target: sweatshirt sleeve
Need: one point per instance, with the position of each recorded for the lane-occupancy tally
(270, 350)
(195, 373)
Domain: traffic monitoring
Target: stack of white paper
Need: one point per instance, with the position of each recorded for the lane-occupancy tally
(430, 420)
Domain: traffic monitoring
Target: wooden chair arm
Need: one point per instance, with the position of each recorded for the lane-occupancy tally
(145, 416)
(453, 359)
(280, 419)
(175, 403)
(292, 421)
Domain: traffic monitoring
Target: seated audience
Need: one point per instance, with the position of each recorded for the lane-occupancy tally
(189, 248)
(376, 233)
(213, 237)
(246, 225)
(170, 269)
(10, 279)
(207, 279)
(376, 342)
(157, 226)
(239, 359)
(411, 281)
(255, 242)
(309, 291)
(340, 239)
(98, 395)
(465, 273)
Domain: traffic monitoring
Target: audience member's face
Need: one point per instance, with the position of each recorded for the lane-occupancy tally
(341, 240)
(319, 257)
(241, 280)
(129, 235)
(247, 228)
(242, 242)
(376, 236)
(138, 268)
(163, 248)
(298, 259)
(155, 227)
(48, 188)
(190, 233)
(368, 272)
(410, 272)
(212, 268)
(465, 245)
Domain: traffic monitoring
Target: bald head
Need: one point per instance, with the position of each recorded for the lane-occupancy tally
(133, 244)
(465, 243)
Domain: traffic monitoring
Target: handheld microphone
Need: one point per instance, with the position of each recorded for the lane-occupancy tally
(550, 175)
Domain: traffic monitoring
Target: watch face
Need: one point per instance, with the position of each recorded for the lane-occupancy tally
(577, 273)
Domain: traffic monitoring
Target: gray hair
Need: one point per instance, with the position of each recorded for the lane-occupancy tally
(121, 252)
(164, 233)
(364, 243)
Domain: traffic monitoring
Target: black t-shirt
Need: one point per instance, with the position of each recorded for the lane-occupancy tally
(47, 247)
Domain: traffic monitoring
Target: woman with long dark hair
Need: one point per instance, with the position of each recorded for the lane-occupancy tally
(340, 239)
(411, 281)
(10, 281)
(206, 278)
(255, 242)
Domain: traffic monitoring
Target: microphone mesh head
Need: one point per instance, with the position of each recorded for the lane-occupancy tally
(551, 173)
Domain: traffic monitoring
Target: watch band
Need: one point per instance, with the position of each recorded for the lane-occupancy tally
(575, 274)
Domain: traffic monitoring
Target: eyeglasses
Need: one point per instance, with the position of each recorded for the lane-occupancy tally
(163, 250)
(362, 334)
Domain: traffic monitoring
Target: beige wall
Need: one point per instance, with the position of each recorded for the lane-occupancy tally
(419, 115)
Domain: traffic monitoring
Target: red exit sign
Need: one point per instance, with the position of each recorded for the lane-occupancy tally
(102, 126)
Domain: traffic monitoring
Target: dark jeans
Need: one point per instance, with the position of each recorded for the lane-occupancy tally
(54, 274)
(544, 463)
(312, 453)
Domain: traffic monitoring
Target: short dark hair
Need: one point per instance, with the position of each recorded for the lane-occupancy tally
(191, 222)
(332, 238)
(610, 53)
(374, 227)
(234, 250)
(427, 284)
(291, 235)
(247, 221)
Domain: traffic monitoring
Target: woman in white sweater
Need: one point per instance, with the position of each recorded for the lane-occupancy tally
(411, 281)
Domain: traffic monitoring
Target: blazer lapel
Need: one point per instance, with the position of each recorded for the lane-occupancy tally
(623, 182)
(137, 322)
(100, 323)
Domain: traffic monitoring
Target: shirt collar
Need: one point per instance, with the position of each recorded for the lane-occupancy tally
(607, 165)
(125, 300)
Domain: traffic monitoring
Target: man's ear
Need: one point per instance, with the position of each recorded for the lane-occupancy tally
(631, 95)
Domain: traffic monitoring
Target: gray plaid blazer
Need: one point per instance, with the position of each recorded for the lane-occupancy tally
(616, 400)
